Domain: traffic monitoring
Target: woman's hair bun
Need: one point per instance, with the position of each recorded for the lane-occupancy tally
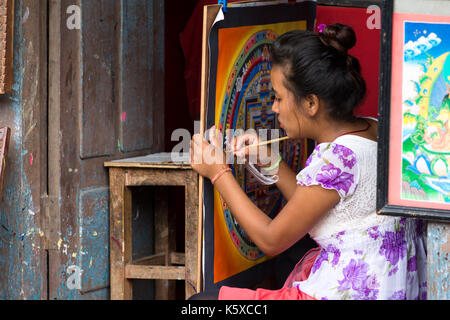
(339, 36)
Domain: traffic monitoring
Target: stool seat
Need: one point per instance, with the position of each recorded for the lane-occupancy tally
(163, 170)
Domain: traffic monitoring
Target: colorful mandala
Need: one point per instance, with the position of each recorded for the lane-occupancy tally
(248, 105)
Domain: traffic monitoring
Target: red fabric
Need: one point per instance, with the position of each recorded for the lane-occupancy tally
(299, 273)
(228, 293)
(366, 50)
(191, 43)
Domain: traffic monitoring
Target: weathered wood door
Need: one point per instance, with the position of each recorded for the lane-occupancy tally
(106, 92)
(23, 268)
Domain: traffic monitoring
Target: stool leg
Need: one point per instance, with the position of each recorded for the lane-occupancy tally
(191, 236)
(164, 241)
(120, 235)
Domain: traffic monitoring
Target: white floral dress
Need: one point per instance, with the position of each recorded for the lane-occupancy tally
(362, 255)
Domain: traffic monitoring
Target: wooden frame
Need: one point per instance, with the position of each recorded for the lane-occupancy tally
(401, 191)
(6, 45)
(4, 143)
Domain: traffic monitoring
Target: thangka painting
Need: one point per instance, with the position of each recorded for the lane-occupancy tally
(240, 96)
(419, 157)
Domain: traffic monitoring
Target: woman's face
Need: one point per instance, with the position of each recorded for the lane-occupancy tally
(285, 104)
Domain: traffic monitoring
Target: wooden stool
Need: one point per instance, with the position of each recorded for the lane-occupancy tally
(152, 170)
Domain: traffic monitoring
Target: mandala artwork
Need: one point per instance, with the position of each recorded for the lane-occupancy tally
(241, 98)
(247, 105)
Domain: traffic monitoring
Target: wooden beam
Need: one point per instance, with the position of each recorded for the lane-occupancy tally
(4, 142)
(162, 177)
(177, 258)
(209, 15)
(154, 272)
(156, 259)
(6, 45)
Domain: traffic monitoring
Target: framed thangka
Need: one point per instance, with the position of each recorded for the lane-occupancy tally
(240, 96)
(414, 153)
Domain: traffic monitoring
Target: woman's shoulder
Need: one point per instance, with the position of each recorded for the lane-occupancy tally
(333, 166)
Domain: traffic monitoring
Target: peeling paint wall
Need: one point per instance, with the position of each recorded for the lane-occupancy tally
(21, 235)
(438, 269)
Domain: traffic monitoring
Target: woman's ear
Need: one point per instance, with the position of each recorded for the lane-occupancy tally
(311, 104)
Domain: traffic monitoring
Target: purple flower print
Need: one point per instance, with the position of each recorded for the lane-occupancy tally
(323, 256)
(354, 275)
(339, 235)
(314, 154)
(345, 155)
(423, 290)
(398, 295)
(393, 271)
(420, 227)
(356, 278)
(308, 181)
(369, 289)
(394, 246)
(373, 232)
(423, 295)
(371, 282)
(332, 177)
(308, 162)
(336, 254)
(412, 264)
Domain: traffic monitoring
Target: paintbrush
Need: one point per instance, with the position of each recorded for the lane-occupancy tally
(267, 142)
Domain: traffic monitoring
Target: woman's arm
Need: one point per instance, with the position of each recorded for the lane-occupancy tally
(287, 180)
(304, 209)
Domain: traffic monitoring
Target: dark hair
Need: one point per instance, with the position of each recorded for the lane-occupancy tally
(319, 64)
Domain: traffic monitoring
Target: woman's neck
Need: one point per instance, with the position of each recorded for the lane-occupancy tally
(334, 129)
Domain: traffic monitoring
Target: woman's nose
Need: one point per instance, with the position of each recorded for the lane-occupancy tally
(275, 107)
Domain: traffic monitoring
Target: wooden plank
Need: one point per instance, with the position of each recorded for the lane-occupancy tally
(155, 177)
(156, 259)
(163, 160)
(154, 272)
(177, 258)
(141, 101)
(97, 107)
(120, 235)
(6, 45)
(160, 259)
(4, 143)
(23, 269)
(77, 172)
(145, 165)
(209, 15)
(192, 252)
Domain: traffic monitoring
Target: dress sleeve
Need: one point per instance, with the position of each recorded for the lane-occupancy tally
(332, 166)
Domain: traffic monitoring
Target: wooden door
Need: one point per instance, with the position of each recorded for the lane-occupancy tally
(106, 101)
(23, 271)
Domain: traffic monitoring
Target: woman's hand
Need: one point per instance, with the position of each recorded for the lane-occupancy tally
(261, 155)
(208, 159)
